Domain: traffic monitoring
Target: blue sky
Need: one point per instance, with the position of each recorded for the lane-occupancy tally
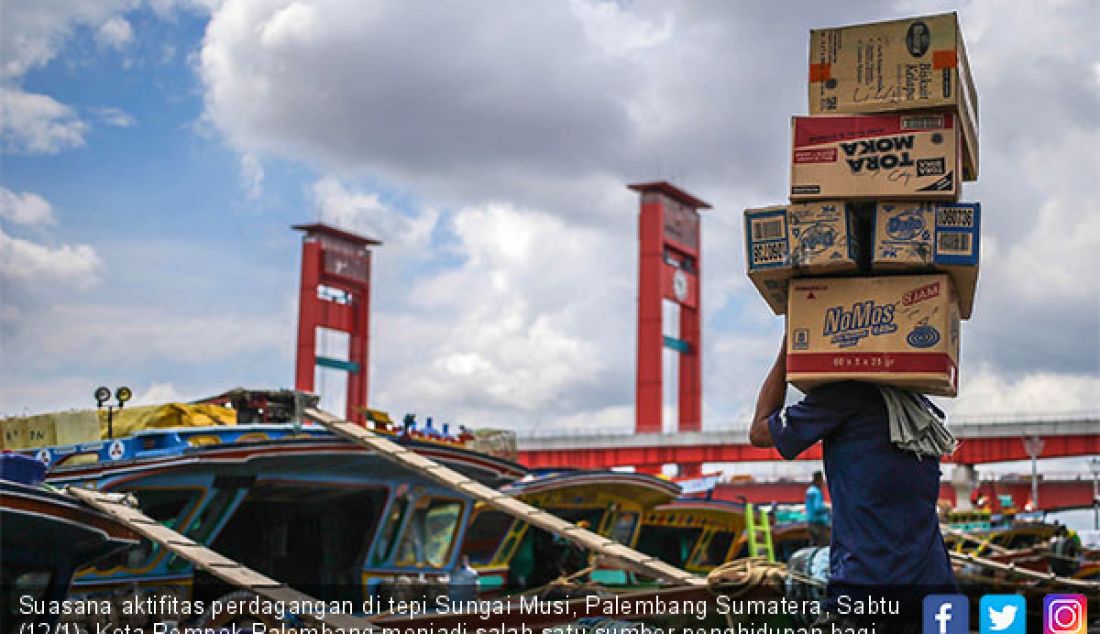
(175, 143)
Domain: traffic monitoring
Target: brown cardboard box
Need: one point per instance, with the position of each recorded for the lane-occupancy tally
(76, 426)
(899, 330)
(885, 156)
(798, 239)
(910, 64)
(917, 236)
(40, 431)
(14, 433)
(43, 430)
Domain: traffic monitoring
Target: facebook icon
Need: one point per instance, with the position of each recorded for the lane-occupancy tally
(946, 614)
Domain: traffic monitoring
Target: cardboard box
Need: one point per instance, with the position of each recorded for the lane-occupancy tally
(897, 330)
(886, 156)
(76, 426)
(43, 430)
(924, 236)
(40, 431)
(14, 433)
(797, 239)
(911, 64)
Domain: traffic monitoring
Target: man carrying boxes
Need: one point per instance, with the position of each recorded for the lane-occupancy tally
(874, 263)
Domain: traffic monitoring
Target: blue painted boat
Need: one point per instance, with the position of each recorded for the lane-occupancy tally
(44, 537)
(290, 500)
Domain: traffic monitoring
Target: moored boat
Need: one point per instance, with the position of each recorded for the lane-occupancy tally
(507, 553)
(45, 537)
(288, 499)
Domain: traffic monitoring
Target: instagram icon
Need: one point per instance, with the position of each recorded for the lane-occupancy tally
(1064, 614)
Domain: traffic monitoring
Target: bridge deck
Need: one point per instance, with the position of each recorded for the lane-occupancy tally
(982, 442)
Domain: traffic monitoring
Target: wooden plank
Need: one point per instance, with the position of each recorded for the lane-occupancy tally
(1049, 577)
(442, 474)
(216, 564)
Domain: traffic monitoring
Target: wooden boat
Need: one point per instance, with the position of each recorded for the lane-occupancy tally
(46, 537)
(290, 500)
(693, 534)
(505, 550)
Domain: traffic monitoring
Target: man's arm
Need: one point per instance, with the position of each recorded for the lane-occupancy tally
(773, 393)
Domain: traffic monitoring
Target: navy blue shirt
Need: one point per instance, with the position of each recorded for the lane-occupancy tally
(886, 533)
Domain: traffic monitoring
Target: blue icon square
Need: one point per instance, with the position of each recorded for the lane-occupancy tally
(946, 614)
(1002, 614)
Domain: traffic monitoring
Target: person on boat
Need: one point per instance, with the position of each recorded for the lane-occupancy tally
(817, 514)
(881, 448)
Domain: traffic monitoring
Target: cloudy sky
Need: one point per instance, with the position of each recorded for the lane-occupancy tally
(156, 152)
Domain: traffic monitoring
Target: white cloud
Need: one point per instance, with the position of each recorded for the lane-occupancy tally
(168, 8)
(128, 335)
(498, 141)
(27, 263)
(37, 124)
(33, 34)
(502, 338)
(35, 31)
(26, 208)
(252, 176)
(115, 33)
(357, 211)
(529, 122)
(618, 31)
(988, 394)
(158, 393)
(115, 117)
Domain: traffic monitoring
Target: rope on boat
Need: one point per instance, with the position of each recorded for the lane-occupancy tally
(607, 548)
(1012, 569)
(740, 576)
(222, 567)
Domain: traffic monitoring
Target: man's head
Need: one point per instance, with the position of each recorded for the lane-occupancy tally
(819, 479)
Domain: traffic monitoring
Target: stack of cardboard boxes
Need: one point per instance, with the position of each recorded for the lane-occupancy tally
(875, 261)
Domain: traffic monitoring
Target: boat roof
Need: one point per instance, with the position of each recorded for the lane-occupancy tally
(167, 447)
(646, 489)
(692, 512)
(35, 515)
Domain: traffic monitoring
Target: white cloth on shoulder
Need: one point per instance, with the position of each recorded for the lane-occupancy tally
(916, 424)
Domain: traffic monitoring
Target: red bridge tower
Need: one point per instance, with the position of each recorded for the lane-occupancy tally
(669, 269)
(335, 294)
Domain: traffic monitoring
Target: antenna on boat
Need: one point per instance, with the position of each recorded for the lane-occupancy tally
(103, 394)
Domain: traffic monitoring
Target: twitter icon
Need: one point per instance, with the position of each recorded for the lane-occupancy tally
(1003, 614)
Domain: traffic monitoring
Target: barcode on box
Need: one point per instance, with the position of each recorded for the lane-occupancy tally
(922, 122)
(953, 243)
(768, 229)
(957, 217)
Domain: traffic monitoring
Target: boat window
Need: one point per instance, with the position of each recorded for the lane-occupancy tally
(211, 514)
(511, 544)
(485, 534)
(672, 544)
(715, 551)
(623, 529)
(209, 518)
(594, 517)
(311, 536)
(169, 506)
(385, 540)
(429, 533)
(165, 505)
